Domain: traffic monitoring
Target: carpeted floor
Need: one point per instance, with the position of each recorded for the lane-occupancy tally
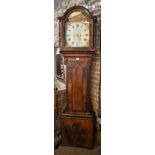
(65, 150)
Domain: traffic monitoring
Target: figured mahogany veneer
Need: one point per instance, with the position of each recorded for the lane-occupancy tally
(77, 131)
(78, 79)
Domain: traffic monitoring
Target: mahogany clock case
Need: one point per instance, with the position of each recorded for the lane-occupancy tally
(77, 120)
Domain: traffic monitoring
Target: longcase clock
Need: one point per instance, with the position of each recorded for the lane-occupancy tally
(76, 33)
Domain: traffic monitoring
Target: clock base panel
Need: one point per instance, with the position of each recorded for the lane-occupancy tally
(77, 131)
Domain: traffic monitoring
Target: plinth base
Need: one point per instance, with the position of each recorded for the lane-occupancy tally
(77, 130)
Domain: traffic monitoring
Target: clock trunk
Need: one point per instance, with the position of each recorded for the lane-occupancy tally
(78, 80)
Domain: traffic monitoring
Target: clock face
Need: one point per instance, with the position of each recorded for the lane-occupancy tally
(77, 34)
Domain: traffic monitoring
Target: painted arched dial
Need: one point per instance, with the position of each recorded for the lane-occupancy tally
(77, 34)
(77, 30)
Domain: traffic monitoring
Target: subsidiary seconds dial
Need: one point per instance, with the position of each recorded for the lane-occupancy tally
(77, 34)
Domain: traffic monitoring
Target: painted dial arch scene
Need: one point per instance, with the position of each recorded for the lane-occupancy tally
(77, 34)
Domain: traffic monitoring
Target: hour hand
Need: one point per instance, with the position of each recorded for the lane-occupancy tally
(78, 36)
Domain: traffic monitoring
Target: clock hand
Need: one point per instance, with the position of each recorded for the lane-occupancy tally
(79, 38)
